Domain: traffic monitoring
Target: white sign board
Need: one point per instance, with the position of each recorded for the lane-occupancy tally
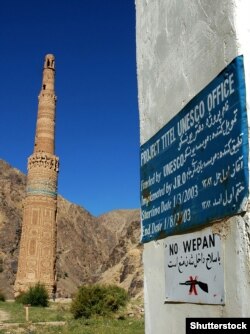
(193, 268)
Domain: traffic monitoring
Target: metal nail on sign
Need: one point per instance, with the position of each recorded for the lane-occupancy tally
(195, 169)
(194, 268)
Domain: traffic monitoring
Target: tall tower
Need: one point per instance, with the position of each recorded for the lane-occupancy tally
(36, 261)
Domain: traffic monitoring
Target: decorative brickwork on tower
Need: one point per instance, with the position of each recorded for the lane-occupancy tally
(36, 261)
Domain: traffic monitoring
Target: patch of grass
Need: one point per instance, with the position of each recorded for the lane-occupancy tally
(95, 326)
(61, 312)
(36, 314)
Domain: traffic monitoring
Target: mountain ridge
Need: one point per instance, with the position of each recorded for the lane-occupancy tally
(103, 249)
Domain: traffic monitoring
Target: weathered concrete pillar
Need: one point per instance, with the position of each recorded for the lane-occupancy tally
(36, 262)
(182, 46)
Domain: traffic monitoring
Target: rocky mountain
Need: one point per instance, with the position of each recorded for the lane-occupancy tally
(90, 249)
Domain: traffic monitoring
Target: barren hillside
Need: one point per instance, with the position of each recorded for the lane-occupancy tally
(89, 249)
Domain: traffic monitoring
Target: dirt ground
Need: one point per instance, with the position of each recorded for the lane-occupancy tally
(4, 315)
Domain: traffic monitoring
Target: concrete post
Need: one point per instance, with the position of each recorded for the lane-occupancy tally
(181, 47)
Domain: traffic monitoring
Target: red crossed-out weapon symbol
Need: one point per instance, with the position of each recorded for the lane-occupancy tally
(192, 283)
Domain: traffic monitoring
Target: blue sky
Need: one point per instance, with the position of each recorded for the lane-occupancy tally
(97, 121)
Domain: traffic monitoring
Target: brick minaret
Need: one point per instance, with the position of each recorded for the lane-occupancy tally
(36, 261)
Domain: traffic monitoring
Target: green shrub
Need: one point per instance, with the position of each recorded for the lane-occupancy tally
(98, 300)
(2, 296)
(36, 296)
(1, 265)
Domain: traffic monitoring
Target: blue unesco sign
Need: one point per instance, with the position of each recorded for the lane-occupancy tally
(195, 169)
